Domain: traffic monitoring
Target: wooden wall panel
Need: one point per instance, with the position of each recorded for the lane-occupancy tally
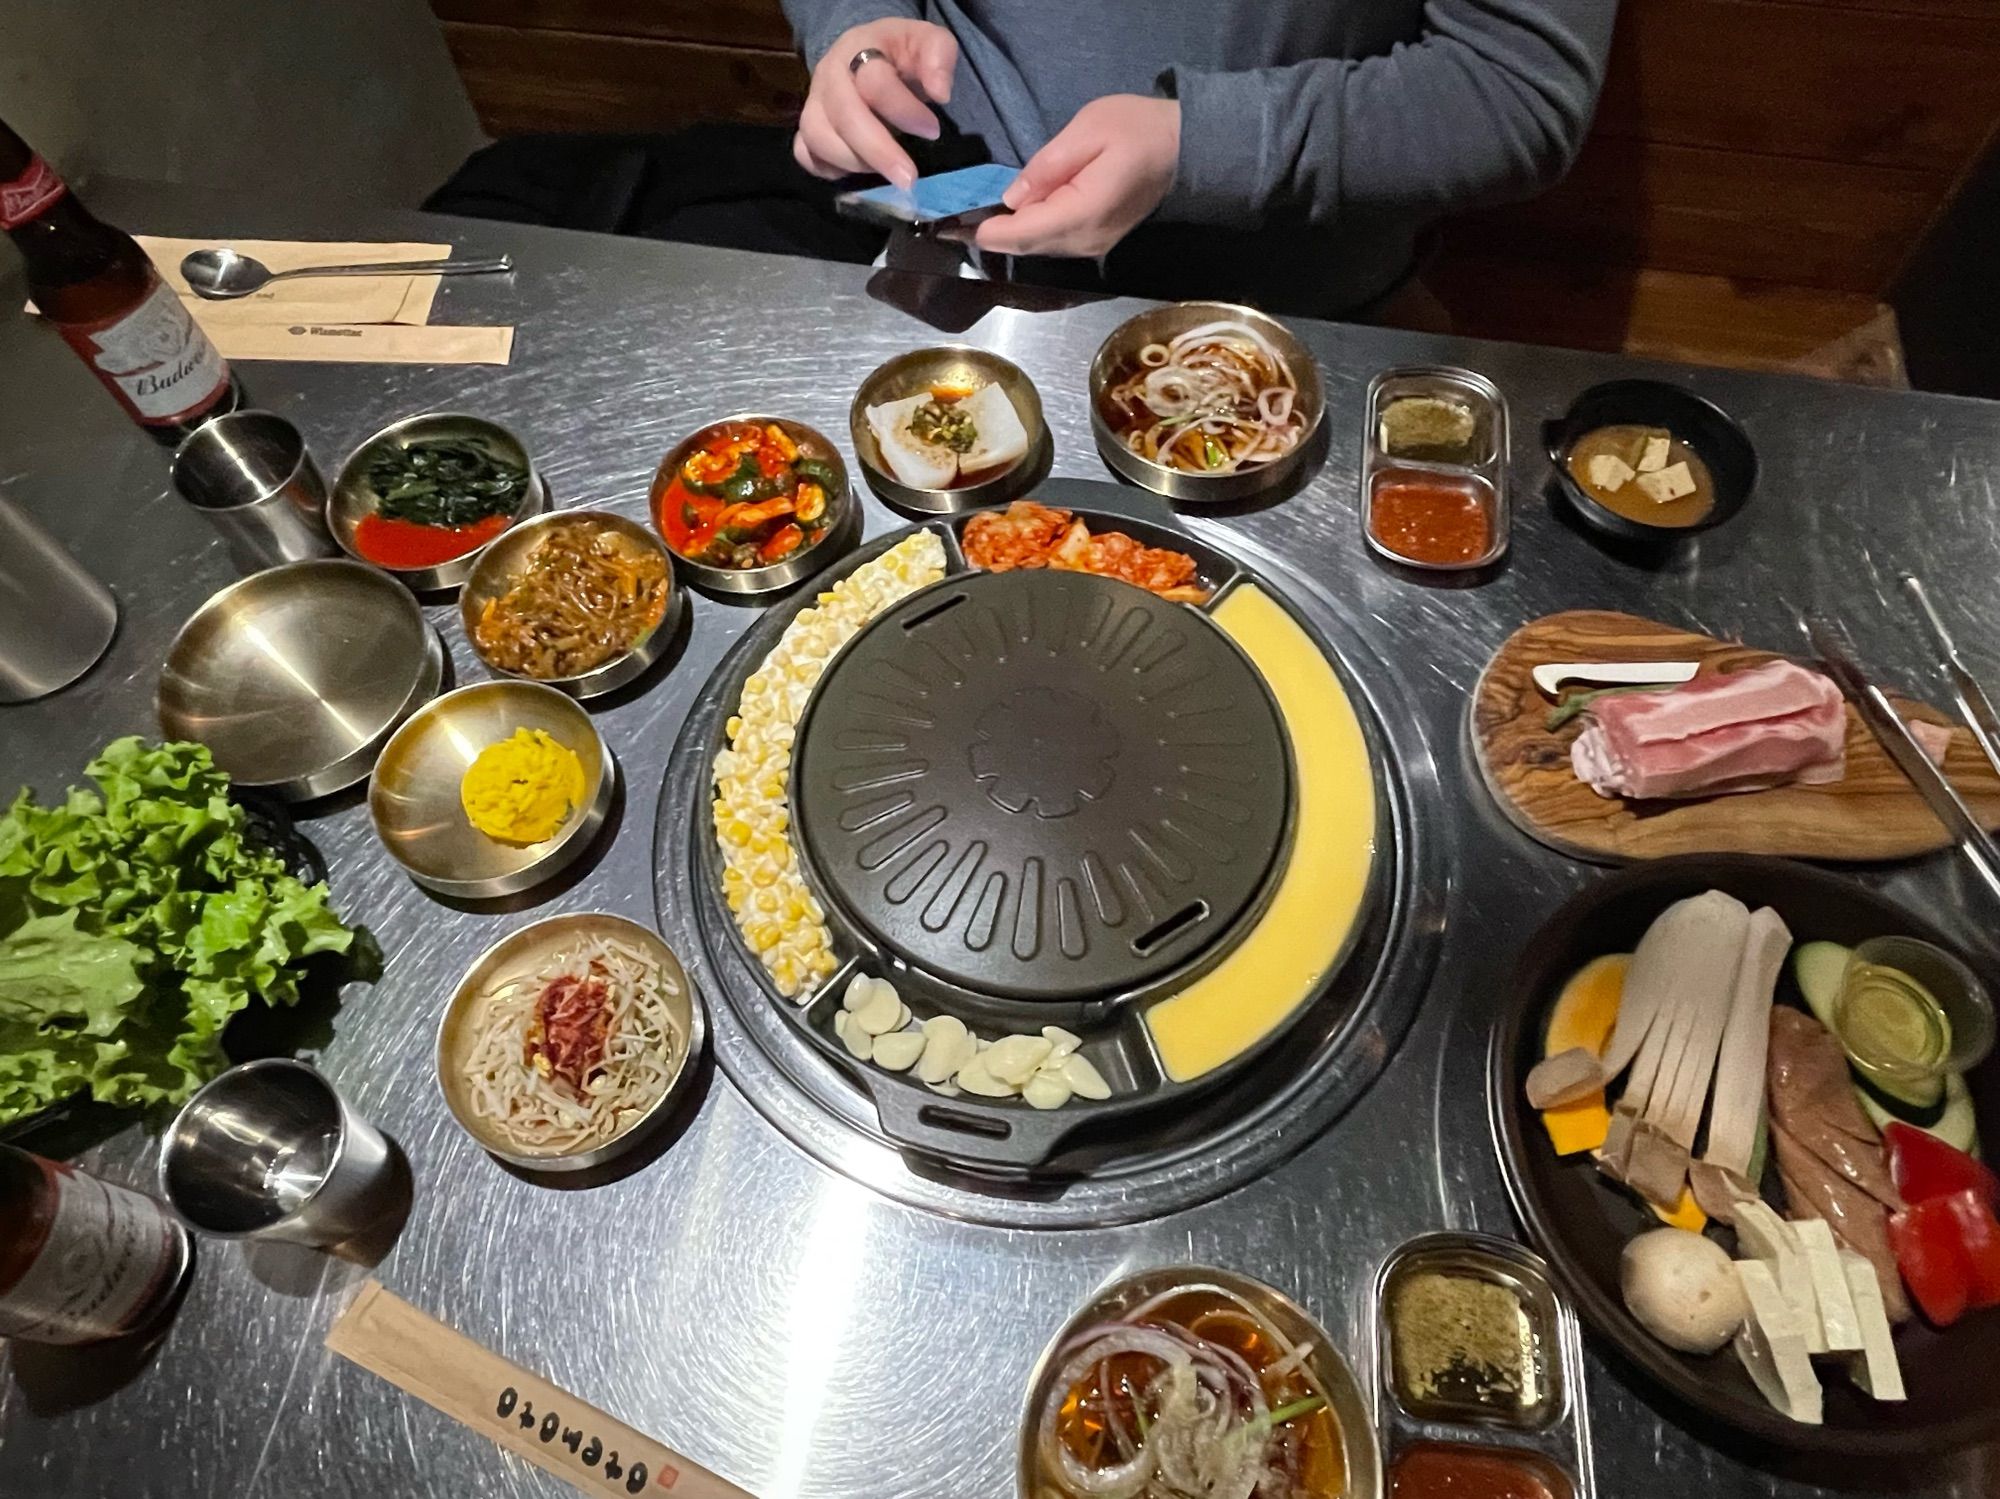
(523, 80)
(1721, 213)
(742, 23)
(1793, 80)
(1801, 142)
(1978, 10)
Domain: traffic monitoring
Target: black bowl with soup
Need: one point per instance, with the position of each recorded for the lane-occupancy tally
(1643, 460)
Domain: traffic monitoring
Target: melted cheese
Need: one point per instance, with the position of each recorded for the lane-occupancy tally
(1280, 964)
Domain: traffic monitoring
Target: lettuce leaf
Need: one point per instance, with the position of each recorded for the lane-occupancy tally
(135, 920)
(53, 976)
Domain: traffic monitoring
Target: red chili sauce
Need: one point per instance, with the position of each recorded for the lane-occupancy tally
(405, 544)
(1438, 1470)
(1431, 517)
(572, 1022)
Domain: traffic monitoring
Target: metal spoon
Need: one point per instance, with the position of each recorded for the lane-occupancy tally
(222, 274)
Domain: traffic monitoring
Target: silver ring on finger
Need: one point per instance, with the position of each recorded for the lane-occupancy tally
(865, 56)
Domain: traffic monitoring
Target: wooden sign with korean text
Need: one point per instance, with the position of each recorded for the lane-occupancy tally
(523, 1412)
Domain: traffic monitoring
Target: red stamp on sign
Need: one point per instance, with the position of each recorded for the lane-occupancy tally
(28, 194)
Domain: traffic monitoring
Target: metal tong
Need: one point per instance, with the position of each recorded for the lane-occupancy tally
(1973, 705)
(1835, 650)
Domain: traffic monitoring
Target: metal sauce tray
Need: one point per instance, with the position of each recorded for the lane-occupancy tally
(1550, 1429)
(1483, 462)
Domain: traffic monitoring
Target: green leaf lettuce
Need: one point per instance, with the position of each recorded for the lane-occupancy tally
(135, 920)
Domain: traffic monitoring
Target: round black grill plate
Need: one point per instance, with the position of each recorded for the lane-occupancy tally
(1041, 785)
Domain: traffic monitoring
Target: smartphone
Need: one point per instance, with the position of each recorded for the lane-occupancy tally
(948, 200)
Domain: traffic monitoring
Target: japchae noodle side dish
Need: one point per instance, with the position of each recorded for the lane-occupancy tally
(1190, 1395)
(1026, 534)
(568, 1057)
(1217, 399)
(584, 595)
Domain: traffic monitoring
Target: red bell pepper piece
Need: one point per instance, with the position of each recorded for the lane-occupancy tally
(1930, 1253)
(1979, 1242)
(1924, 1166)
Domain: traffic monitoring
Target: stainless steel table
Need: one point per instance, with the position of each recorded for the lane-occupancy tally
(799, 1332)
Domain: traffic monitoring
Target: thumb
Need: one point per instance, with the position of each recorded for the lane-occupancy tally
(1073, 148)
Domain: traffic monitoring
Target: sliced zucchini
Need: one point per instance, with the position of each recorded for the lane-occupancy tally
(1819, 967)
(1922, 1106)
(1951, 1120)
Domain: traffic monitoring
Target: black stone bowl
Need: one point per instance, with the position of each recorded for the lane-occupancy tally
(1581, 1221)
(1713, 434)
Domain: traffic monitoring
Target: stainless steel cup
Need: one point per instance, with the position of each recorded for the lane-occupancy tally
(55, 619)
(268, 1150)
(250, 474)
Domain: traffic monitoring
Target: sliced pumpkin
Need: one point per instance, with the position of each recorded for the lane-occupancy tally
(1583, 1015)
(1685, 1214)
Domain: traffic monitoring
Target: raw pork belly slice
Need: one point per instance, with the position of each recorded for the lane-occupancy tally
(1741, 732)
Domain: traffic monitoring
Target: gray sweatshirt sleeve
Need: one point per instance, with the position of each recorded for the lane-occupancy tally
(1490, 103)
(817, 23)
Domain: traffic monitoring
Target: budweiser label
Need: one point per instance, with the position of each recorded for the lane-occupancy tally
(28, 194)
(109, 1256)
(155, 358)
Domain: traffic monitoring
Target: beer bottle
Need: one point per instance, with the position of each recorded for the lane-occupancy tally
(81, 1259)
(99, 289)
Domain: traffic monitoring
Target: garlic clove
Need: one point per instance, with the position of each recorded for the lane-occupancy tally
(944, 1038)
(975, 1077)
(860, 1045)
(898, 1050)
(879, 1015)
(1014, 1059)
(1046, 1090)
(1084, 1078)
(1062, 1042)
(857, 992)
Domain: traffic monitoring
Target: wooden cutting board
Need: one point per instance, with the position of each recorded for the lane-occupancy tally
(1872, 813)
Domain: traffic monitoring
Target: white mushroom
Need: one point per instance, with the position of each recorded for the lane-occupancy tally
(1682, 1289)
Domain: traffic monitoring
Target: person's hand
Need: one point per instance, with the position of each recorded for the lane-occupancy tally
(1089, 187)
(842, 129)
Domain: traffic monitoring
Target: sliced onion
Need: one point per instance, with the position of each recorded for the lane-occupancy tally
(1125, 1479)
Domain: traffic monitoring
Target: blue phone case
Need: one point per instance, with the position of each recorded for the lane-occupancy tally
(935, 200)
